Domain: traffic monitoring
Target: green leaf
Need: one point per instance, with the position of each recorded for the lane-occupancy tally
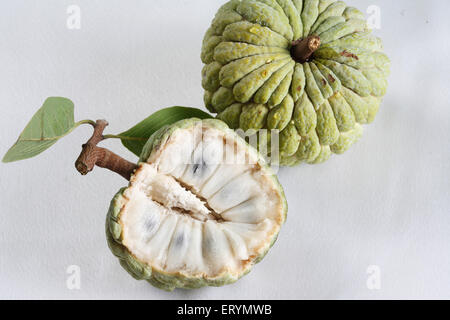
(52, 121)
(135, 138)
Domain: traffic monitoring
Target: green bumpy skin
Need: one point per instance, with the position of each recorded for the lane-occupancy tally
(248, 65)
(169, 281)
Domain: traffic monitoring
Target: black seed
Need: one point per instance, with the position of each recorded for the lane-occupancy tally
(179, 239)
(196, 166)
(199, 166)
(149, 225)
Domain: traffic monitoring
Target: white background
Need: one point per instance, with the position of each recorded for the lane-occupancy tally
(386, 202)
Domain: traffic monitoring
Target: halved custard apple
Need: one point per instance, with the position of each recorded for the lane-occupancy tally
(201, 209)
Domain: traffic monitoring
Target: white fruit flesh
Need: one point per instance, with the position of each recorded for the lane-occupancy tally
(202, 206)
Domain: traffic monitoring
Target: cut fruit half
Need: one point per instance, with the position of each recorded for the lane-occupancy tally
(201, 209)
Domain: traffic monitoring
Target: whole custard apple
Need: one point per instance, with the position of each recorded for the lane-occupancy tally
(201, 209)
(308, 68)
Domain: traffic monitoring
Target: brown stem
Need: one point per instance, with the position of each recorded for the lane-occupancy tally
(302, 49)
(92, 156)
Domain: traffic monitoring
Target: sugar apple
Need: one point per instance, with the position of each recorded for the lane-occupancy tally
(200, 210)
(308, 68)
